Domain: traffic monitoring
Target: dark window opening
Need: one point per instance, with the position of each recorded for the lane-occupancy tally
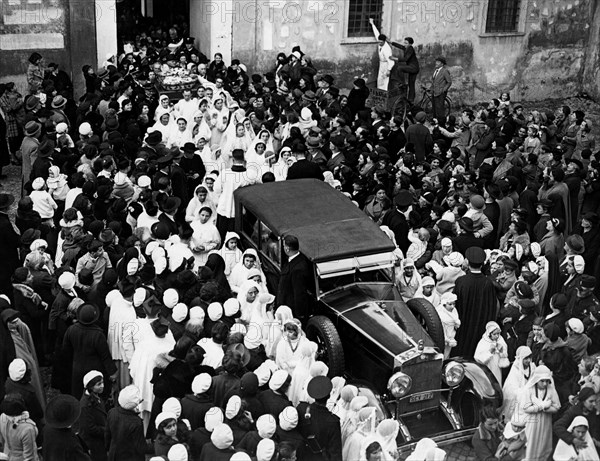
(502, 16)
(359, 12)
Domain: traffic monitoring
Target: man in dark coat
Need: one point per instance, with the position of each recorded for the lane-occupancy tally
(60, 441)
(274, 399)
(476, 303)
(420, 136)
(466, 239)
(303, 168)
(408, 64)
(319, 424)
(295, 282)
(124, 436)
(396, 220)
(9, 245)
(573, 182)
(86, 343)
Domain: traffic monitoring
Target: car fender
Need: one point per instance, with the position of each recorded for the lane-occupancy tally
(478, 388)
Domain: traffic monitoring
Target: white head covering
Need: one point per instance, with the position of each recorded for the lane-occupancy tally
(164, 416)
(222, 436)
(172, 405)
(170, 298)
(576, 325)
(180, 312)
(266, 426)
(422, 450)
(17, 369)
(197, 312)
(201, 383)
(288, 418)
(215, 311)
(212, 418)
(89, 376)
(265, 450)
(177, 452)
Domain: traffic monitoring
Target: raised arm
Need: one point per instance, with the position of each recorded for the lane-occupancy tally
(376, 32)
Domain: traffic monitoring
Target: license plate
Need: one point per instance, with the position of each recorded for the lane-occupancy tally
(421, 397)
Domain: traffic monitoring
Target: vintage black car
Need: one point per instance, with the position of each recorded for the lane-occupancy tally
(364, 329)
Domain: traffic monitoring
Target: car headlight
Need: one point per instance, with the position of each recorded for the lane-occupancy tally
(453, 373)
(399, 384)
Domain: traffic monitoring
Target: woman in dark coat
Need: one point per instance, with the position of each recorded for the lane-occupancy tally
(9, 244)
(124, 434)
(60, 441)
(557, 357)
(92, 422)
(216, 263)
(86, 343)
(358, 96)
(589, 229)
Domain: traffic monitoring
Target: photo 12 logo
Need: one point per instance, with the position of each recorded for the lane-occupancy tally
(273, 11)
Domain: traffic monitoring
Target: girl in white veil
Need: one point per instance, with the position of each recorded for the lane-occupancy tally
(255, 156)
(352, 450)
(580, 429)
(520, 372)
(308, 353)
(280, 168)
(218, 119)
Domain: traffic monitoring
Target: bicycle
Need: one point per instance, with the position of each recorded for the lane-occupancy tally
(402, 105)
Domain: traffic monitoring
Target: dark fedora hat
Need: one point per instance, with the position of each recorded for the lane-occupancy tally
(62, 411)
(58, 102)
(6, 200)
(171, 205)
(87, 314)
(466, 224)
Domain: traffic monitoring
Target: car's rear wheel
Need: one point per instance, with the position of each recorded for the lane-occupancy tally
(322, 331)
(429, 319)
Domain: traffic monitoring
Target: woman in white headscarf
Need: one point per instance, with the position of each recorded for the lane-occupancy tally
(492, 351)
(351, 422)
(248, 299)
(233, 141)
(199, 201)
(282, 315)
(287, 355)
(308, 354)
(256, 158)
(337, 383)
(239, 273)
(306, 121)
(205, 237)
(342, 405)
(354, 446)
(163, 107)
(281, 166)
(427, 450)
(519, 375)
(539, 401)
(567, 452)
(218, 119)
(387, 431)
(165, 125)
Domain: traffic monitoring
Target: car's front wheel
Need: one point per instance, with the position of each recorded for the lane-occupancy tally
(322, 331)
(429, 319)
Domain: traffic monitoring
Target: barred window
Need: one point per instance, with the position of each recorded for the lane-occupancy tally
(359, 12)
(502, 16)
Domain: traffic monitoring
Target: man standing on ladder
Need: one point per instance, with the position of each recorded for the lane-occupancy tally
(409, 64)
(386, 63)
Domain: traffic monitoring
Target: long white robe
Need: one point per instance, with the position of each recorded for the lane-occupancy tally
(144, 361)
(206, 235)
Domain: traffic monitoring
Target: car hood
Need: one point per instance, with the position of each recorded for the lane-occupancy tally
(375, 323)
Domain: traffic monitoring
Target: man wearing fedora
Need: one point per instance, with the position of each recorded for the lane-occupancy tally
(9, 244)
(60, 440)
(440, 84)
(303, 168)
(315, 152)
(29, 148)
(85, 343)
(58, 114)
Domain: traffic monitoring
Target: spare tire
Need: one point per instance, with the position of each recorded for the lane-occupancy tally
(322, 331)
(429, 319)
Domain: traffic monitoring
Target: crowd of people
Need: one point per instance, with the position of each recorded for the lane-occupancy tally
(127, 277)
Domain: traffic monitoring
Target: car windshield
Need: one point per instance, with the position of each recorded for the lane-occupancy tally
(328, 284)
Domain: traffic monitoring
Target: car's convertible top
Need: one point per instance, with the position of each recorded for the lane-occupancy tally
(328, 225)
